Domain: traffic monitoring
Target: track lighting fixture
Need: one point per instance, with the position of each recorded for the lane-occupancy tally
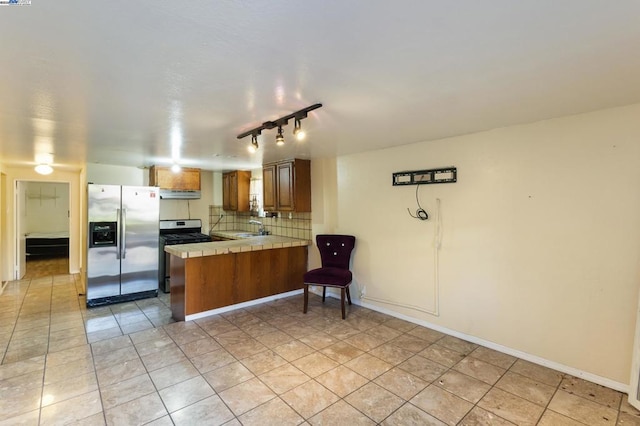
(279, 123)
(280, 137)
(297, 130)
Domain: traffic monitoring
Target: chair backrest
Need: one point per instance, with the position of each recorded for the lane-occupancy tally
(335, 250)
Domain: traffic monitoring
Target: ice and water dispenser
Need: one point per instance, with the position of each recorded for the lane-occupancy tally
(103, 234)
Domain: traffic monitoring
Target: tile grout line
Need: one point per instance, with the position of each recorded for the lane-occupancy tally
(546, 406)
(44, 367)
(95, 371)
(148, 373)
(44, 371)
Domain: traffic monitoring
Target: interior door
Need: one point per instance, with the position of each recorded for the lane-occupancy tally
(21, 230)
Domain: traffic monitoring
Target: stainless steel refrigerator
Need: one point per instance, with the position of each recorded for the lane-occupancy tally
(122, 246)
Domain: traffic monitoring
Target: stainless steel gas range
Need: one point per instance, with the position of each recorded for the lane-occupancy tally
(184, 231)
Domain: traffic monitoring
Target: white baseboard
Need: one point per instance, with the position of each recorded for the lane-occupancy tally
(241, 305)
(604, 381)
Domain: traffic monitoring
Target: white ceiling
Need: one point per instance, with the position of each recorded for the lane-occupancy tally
(115, 82)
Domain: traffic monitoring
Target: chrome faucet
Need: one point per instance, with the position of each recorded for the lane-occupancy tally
(261, 230)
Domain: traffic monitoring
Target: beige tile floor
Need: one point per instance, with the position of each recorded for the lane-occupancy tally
(131, 364)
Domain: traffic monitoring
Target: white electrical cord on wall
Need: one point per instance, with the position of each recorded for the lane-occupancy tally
(437, 244)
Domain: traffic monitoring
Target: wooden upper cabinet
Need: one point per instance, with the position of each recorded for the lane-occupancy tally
(226, 191)
(185, 180)
(287, 186)
(235, 191)
(269, 187)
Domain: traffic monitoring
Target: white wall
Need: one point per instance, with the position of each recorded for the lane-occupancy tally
(105, 174)
(541, 235)
(47, 207)
(217, 188)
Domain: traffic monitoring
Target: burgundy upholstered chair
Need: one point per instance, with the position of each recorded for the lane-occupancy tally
(335, 252)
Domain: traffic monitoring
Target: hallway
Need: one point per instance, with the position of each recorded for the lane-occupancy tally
(40, 268)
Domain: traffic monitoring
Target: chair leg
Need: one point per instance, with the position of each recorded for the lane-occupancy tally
(324, 293)
(306, 298)
(342, 302)
(348, 295)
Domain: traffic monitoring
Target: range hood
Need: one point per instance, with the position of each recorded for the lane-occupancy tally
(184, 185)
(179, 194)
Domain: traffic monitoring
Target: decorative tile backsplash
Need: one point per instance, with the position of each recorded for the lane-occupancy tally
(294, 225)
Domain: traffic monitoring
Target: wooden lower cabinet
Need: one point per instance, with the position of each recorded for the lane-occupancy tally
(205, 283)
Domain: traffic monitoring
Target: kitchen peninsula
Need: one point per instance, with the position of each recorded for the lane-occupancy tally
(208, 276)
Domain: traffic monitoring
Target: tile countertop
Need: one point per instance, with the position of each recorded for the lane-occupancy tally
(263, 242)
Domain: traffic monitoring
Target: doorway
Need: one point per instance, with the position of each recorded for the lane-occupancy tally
(42, 229)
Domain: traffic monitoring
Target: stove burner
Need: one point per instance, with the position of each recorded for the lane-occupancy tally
(186, 238)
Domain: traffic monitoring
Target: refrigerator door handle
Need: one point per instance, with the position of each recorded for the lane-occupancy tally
(118, 234)
(124, 233)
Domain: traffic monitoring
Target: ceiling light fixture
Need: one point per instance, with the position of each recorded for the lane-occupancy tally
(297, 130)
(279, 123)
(44, 169)
(280, 137)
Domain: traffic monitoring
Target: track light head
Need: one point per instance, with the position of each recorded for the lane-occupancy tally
(280, 137)
(297, 130)
(254, 143)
